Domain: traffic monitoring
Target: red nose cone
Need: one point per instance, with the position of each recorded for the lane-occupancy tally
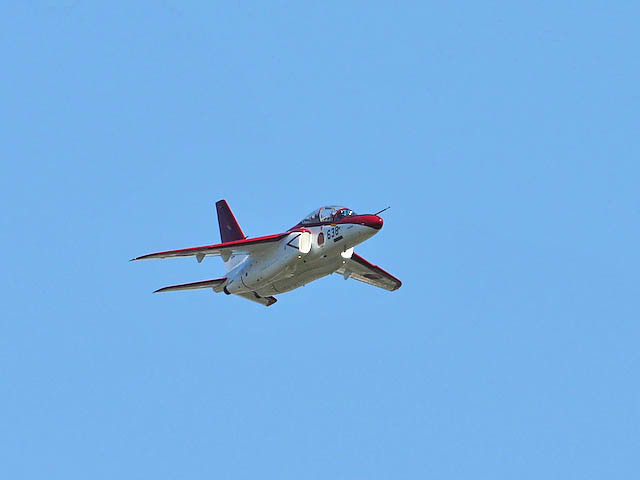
(372, 221)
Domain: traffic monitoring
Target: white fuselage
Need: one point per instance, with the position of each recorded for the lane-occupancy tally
(284, 266)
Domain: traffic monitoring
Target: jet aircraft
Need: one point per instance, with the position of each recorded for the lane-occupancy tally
(258, 268)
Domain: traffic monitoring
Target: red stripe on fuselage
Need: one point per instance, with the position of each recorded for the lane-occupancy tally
(372, 221)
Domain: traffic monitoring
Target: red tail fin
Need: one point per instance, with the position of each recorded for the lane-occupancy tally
(229, 228)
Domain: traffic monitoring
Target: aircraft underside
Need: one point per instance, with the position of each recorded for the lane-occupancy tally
(304, 274)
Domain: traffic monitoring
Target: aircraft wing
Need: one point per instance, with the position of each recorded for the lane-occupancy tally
(360, 269)
(238, 247)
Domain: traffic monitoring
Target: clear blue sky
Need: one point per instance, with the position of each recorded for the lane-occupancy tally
(505, 138)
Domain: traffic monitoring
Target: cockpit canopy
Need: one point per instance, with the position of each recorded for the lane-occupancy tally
(330, 213)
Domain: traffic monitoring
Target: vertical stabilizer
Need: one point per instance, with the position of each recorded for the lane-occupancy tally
(229, 228)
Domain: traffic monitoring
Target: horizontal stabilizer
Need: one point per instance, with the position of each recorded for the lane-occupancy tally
(216, 284)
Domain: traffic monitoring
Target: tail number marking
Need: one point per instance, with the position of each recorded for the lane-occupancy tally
(333, 232)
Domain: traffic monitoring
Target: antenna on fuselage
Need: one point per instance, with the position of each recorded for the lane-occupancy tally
(378, 213)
